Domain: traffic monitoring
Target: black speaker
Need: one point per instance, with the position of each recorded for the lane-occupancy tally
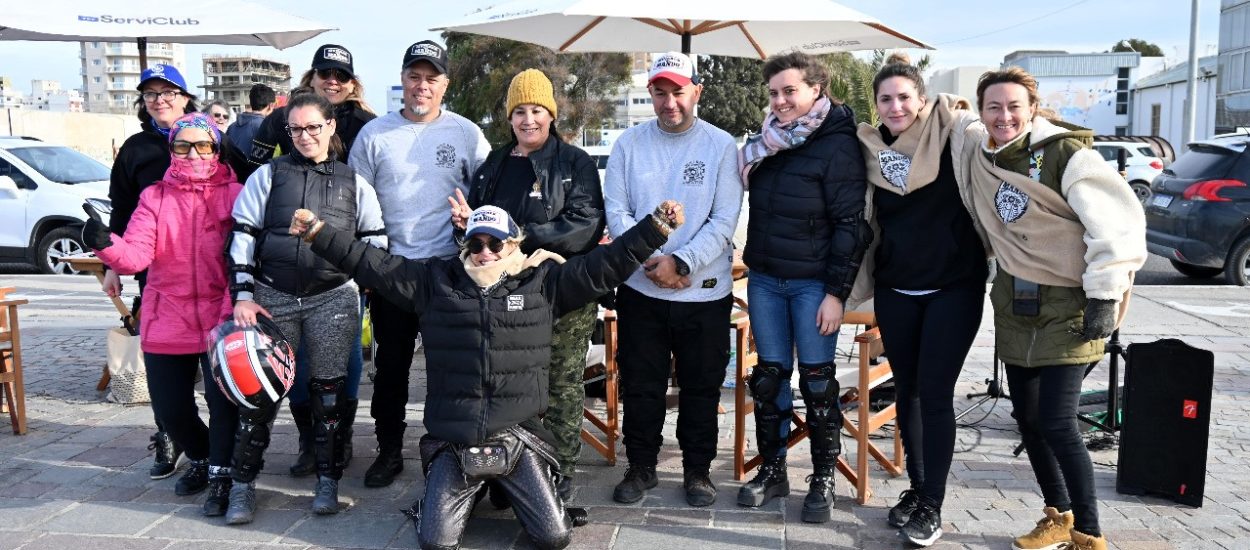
(1167, 420)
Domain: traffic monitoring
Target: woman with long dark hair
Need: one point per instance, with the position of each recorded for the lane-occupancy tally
(275, 275)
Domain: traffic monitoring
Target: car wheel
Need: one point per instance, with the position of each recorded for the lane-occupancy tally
(1237, 268)
(58, 243)
(1196, 271)
(1142, 190)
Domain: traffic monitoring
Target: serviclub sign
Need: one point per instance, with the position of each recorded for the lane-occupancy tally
(137, 20)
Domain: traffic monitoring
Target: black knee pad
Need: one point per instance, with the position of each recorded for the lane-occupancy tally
(329, 404)
(765, 384)
(251, 440)
(327, 399)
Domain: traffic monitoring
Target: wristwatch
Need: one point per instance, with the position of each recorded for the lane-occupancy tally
(683, 268)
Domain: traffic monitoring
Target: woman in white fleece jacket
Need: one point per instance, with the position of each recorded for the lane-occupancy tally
(1068, 235)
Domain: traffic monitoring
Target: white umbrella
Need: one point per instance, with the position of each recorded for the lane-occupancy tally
(230, 22)
(714, 27)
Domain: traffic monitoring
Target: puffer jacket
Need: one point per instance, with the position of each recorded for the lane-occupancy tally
(271, 136)
(567, 218)
(177, 233)
(807, 207)
(487, 350)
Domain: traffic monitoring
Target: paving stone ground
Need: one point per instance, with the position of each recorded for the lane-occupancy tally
(79, 478)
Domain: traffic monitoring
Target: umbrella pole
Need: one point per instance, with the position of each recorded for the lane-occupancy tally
(143, 54)
(685, 43)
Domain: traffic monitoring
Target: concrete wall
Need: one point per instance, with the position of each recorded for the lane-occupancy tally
(1087, 101)
(1171, 100)
(93, 134)
(961, 81)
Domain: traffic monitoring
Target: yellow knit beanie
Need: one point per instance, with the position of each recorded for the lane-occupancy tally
(531, 86)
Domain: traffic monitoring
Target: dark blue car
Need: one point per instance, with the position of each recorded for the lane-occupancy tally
(1198, 216)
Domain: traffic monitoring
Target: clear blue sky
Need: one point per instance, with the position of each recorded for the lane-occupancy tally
(969, 32)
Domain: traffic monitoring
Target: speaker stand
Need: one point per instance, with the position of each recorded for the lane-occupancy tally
(993, 389)
(1111, 423)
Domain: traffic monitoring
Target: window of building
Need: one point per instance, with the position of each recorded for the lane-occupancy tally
(95, 44)
(95, 79)
(1156, 114)
(96, 62)
(1121, 130)
(1121, 91)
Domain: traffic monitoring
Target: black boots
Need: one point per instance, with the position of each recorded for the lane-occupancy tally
(167, 452)
(306, 462)
(329, 407)
(770, 482)
(824, 423)
(390, 461)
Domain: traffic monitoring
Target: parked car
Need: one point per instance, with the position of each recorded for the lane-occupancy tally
(42, 189)
(1141, 168)
(1199, 215)
(599, 153)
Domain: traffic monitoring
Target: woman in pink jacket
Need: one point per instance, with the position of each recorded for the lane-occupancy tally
(178, 234)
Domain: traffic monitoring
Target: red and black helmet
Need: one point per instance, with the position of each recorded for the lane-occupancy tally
(253, 366)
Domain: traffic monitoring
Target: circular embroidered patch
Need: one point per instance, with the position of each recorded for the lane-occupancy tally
(894, 167)
(1010, 202)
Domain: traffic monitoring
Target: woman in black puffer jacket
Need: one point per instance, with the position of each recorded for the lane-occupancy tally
(805, 239)
(487, 350)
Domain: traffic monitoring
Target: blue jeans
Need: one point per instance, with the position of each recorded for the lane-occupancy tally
(303, 373)
(783, 320)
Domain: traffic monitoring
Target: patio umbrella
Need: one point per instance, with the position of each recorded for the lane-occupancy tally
(711, 27)
(230, 22)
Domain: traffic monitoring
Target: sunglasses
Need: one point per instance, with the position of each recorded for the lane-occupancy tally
(475, 246)
(180, 147)
(223, 116)
(335, 74)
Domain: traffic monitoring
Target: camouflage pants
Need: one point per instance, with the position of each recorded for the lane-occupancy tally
(569, 340)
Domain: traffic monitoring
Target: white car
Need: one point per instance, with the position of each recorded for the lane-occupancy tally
(42, 190)
(1142, 164)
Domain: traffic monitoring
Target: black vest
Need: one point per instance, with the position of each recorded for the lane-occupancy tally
(329, 190)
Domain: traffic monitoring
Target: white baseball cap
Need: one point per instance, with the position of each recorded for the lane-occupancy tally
(493, 221)
(675, 67)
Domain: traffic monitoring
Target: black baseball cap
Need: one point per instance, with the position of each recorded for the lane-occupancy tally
(426, 50)
(333, 56)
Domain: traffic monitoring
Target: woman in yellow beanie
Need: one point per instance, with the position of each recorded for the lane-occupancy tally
(551, 189)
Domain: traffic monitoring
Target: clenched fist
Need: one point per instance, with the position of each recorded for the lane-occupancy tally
(668, 216)
(305, 225)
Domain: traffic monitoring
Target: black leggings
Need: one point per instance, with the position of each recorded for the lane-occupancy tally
(927, 338)
(171, 383)
(1044, 402)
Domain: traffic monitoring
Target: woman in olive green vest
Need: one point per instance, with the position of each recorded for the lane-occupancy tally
(1068, 235)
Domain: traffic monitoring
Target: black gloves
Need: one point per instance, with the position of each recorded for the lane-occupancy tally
(1099, 319)
(95, 234)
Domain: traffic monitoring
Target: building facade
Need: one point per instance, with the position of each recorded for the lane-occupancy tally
(110, 72)
(1160, 100)
(960, 81)
(230, 77)
(1093, 90)
(1232, 98)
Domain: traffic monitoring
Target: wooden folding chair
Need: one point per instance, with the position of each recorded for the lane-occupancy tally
(12, 390)
(610, 425)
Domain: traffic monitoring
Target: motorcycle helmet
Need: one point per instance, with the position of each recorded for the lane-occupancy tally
(253, 366)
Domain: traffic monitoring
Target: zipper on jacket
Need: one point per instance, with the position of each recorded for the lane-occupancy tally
(486, 389)
(1028, 355)
(811, 233)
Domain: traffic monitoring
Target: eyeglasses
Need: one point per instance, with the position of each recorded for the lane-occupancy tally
(223, 116)
(312, 129)
(335, 74)
(167, 95)
(475, 246)
(181, 147)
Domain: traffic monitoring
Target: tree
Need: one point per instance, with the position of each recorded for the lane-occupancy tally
(1147, 49)
(482, 67)
(734, 95)
(851, 80)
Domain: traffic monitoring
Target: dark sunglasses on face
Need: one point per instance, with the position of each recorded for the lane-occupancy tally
(180, 147)
(475, 246)
(223, 116)
(336, 74)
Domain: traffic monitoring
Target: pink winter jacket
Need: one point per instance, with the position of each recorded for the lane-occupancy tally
(178, 233)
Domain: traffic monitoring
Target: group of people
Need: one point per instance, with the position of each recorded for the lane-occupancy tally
(327, 201)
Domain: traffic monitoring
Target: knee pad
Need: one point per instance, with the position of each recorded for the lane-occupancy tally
(251, 440)
(328, 400)
(328, 405)
(824, 418)
(765, 384)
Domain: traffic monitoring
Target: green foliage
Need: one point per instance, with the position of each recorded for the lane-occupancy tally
(481, 67)
(734, 94)
(1147, 49)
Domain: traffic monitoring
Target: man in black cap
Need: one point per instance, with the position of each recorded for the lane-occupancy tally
(415, 158)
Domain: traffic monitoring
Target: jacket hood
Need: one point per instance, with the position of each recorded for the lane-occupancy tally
(840, 120)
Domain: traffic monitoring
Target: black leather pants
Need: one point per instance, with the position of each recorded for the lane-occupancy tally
(441, 515)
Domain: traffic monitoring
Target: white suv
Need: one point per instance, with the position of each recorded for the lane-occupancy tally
(42, 189)
(1142, 164)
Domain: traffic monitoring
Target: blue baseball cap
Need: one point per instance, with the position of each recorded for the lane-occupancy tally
(168, 73)
(493, 221)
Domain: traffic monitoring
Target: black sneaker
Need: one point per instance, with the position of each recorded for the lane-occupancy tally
(167, 452)
(924, 527)
(699, 488)
(637, 480)
(218, 496)
(907, 502)
(382, 472)
(195, 480)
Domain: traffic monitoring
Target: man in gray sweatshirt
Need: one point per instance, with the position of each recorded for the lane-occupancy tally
(415, 158)
(677, 305)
